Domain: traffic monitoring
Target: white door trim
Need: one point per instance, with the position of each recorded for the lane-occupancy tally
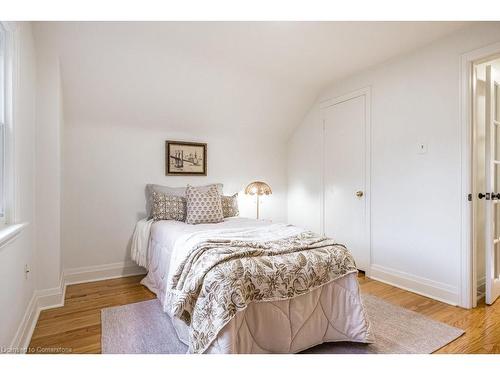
(366, 92)
(467, 262)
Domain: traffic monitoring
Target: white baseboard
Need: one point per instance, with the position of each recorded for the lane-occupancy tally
(481, 287)
(40, 300)
(102, 272)
(54, 297)
(25, 330)
(429, 288)
(481, 282)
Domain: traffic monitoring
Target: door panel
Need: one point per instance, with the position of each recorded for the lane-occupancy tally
(492, 211)
(345, 191)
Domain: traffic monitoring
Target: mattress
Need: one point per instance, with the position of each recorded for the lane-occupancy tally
(332, 312)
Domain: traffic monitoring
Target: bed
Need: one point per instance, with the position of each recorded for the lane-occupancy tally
(279, 295)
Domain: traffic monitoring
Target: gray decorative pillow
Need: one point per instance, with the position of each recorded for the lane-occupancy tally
(168, 207)
(230, 205)
(203, 207)
(176, 191)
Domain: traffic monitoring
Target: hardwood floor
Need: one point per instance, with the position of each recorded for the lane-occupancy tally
(76, 327)
(481, 325)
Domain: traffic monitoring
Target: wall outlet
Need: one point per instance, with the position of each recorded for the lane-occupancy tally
(421, 148)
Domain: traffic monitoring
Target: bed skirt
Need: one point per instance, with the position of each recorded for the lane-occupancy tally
(333, 312)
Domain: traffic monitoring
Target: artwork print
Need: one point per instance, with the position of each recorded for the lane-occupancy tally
(186, 158)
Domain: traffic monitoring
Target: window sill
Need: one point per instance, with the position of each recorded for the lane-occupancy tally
(9, 232)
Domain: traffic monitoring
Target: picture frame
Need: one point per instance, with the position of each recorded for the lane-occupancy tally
(185, 158)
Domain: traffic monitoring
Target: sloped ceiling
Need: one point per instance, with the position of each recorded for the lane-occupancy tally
(215, 76)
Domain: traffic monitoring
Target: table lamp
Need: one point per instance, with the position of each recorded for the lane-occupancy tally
(258, 188)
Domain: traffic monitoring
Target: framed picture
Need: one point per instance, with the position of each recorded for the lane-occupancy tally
(185, 158)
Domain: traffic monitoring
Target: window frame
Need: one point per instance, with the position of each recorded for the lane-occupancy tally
(10, 60)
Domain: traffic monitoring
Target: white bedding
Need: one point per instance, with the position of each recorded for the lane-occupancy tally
(169, 239)
(140, 242)
(333, 312)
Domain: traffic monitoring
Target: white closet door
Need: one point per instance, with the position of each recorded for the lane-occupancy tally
(345, 170)
(492, 211)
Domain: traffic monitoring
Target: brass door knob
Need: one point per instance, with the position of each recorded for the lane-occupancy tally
(359, 193)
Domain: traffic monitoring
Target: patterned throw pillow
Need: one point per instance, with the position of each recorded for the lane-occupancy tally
(168, 207)
(203, 207)
(230, 205)
(177, 191)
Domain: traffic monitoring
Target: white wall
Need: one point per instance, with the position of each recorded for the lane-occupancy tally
(305, 173)
(48, 165)
(415, 198)
(16, 290)
(127, 87)
(106, 169)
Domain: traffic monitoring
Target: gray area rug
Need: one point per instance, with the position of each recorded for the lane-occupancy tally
(144, 328)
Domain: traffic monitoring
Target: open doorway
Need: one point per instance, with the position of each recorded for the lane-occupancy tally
(485, 196)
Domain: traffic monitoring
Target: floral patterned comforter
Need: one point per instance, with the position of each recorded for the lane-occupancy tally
(219, 277)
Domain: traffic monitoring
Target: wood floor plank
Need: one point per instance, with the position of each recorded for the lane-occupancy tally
(76, 327)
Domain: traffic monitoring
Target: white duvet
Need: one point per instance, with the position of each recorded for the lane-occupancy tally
(333, 312)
